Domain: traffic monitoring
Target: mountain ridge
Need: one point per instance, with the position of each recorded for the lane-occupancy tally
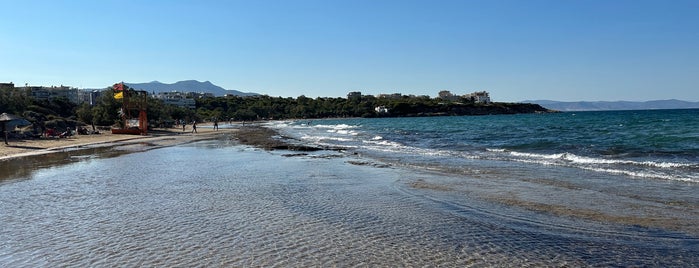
(571, 106)
(188, 86)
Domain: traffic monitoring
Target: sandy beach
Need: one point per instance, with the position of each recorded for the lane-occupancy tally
(164, 136)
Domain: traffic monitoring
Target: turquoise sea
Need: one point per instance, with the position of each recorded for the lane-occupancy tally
(660, 145)
(637, 168)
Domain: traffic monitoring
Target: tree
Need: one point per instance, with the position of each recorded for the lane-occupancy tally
(84, 114)
(106, 112)
(14, 101)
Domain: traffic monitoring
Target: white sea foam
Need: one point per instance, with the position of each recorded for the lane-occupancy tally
(307, 137)
(336, 139)
(352, 136)
(317, 139)
(537, 156)
(572, 158)
(639, 169)
(335, 127)
(643, 174)
(278, 124)
(385, 143)
(667, 164)
(347, 132)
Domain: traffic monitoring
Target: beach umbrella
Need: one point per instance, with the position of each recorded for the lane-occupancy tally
(18, 123)
(6, 118)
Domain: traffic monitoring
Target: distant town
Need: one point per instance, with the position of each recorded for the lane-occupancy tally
(187, 98)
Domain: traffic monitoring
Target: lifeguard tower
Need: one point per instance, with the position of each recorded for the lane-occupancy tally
(133, 102)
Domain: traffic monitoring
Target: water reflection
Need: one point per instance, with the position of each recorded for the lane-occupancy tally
(23, 167)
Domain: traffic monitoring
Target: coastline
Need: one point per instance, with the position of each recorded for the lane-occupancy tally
(161, 136)
(248, 134)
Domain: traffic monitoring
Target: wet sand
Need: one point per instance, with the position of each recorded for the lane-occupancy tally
(164, 136)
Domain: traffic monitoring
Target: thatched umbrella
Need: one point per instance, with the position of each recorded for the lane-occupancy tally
(4, 119)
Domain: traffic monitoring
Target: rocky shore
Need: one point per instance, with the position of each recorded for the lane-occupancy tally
(270, 139)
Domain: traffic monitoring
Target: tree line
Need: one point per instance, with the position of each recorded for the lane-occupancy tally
(60, 112)
(266, 107)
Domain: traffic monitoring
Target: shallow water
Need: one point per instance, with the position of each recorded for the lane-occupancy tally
(215, 203)
(658, 145)
(628, 167)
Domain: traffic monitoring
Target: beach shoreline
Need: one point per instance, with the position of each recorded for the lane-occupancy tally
(247, 134)
(163, 136)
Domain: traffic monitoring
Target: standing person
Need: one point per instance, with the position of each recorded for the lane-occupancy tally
(215, 124)
(183, 125)
(4, 132)
(194, 126)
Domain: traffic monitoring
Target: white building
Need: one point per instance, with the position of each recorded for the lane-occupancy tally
(53, 92)
(89, 96)
(479, 97)
(381, 109)
(394, 96)
(176, 98)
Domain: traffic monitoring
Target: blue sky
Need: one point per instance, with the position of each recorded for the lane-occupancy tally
(516, 50)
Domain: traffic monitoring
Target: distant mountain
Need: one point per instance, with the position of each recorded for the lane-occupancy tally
(614, 105)
(187, 86)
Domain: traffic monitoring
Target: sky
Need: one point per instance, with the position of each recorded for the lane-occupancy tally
(563, 50)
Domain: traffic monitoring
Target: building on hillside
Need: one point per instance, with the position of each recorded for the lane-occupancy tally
(479, 97)
(354, 95)
(413, 96)
(90, 96)
(53, 92)
(199, 95)
(447, 95)
(9, 85)
(394, 96)
(179, 99)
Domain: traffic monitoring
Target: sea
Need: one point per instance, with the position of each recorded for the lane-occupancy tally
(583, 189)
(632, 167)
(660, 145)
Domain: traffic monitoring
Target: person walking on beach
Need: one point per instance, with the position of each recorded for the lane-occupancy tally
(183, 125)
(215, 124)
(194, 126)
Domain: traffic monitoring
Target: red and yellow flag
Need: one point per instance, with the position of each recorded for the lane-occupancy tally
(118, 90)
